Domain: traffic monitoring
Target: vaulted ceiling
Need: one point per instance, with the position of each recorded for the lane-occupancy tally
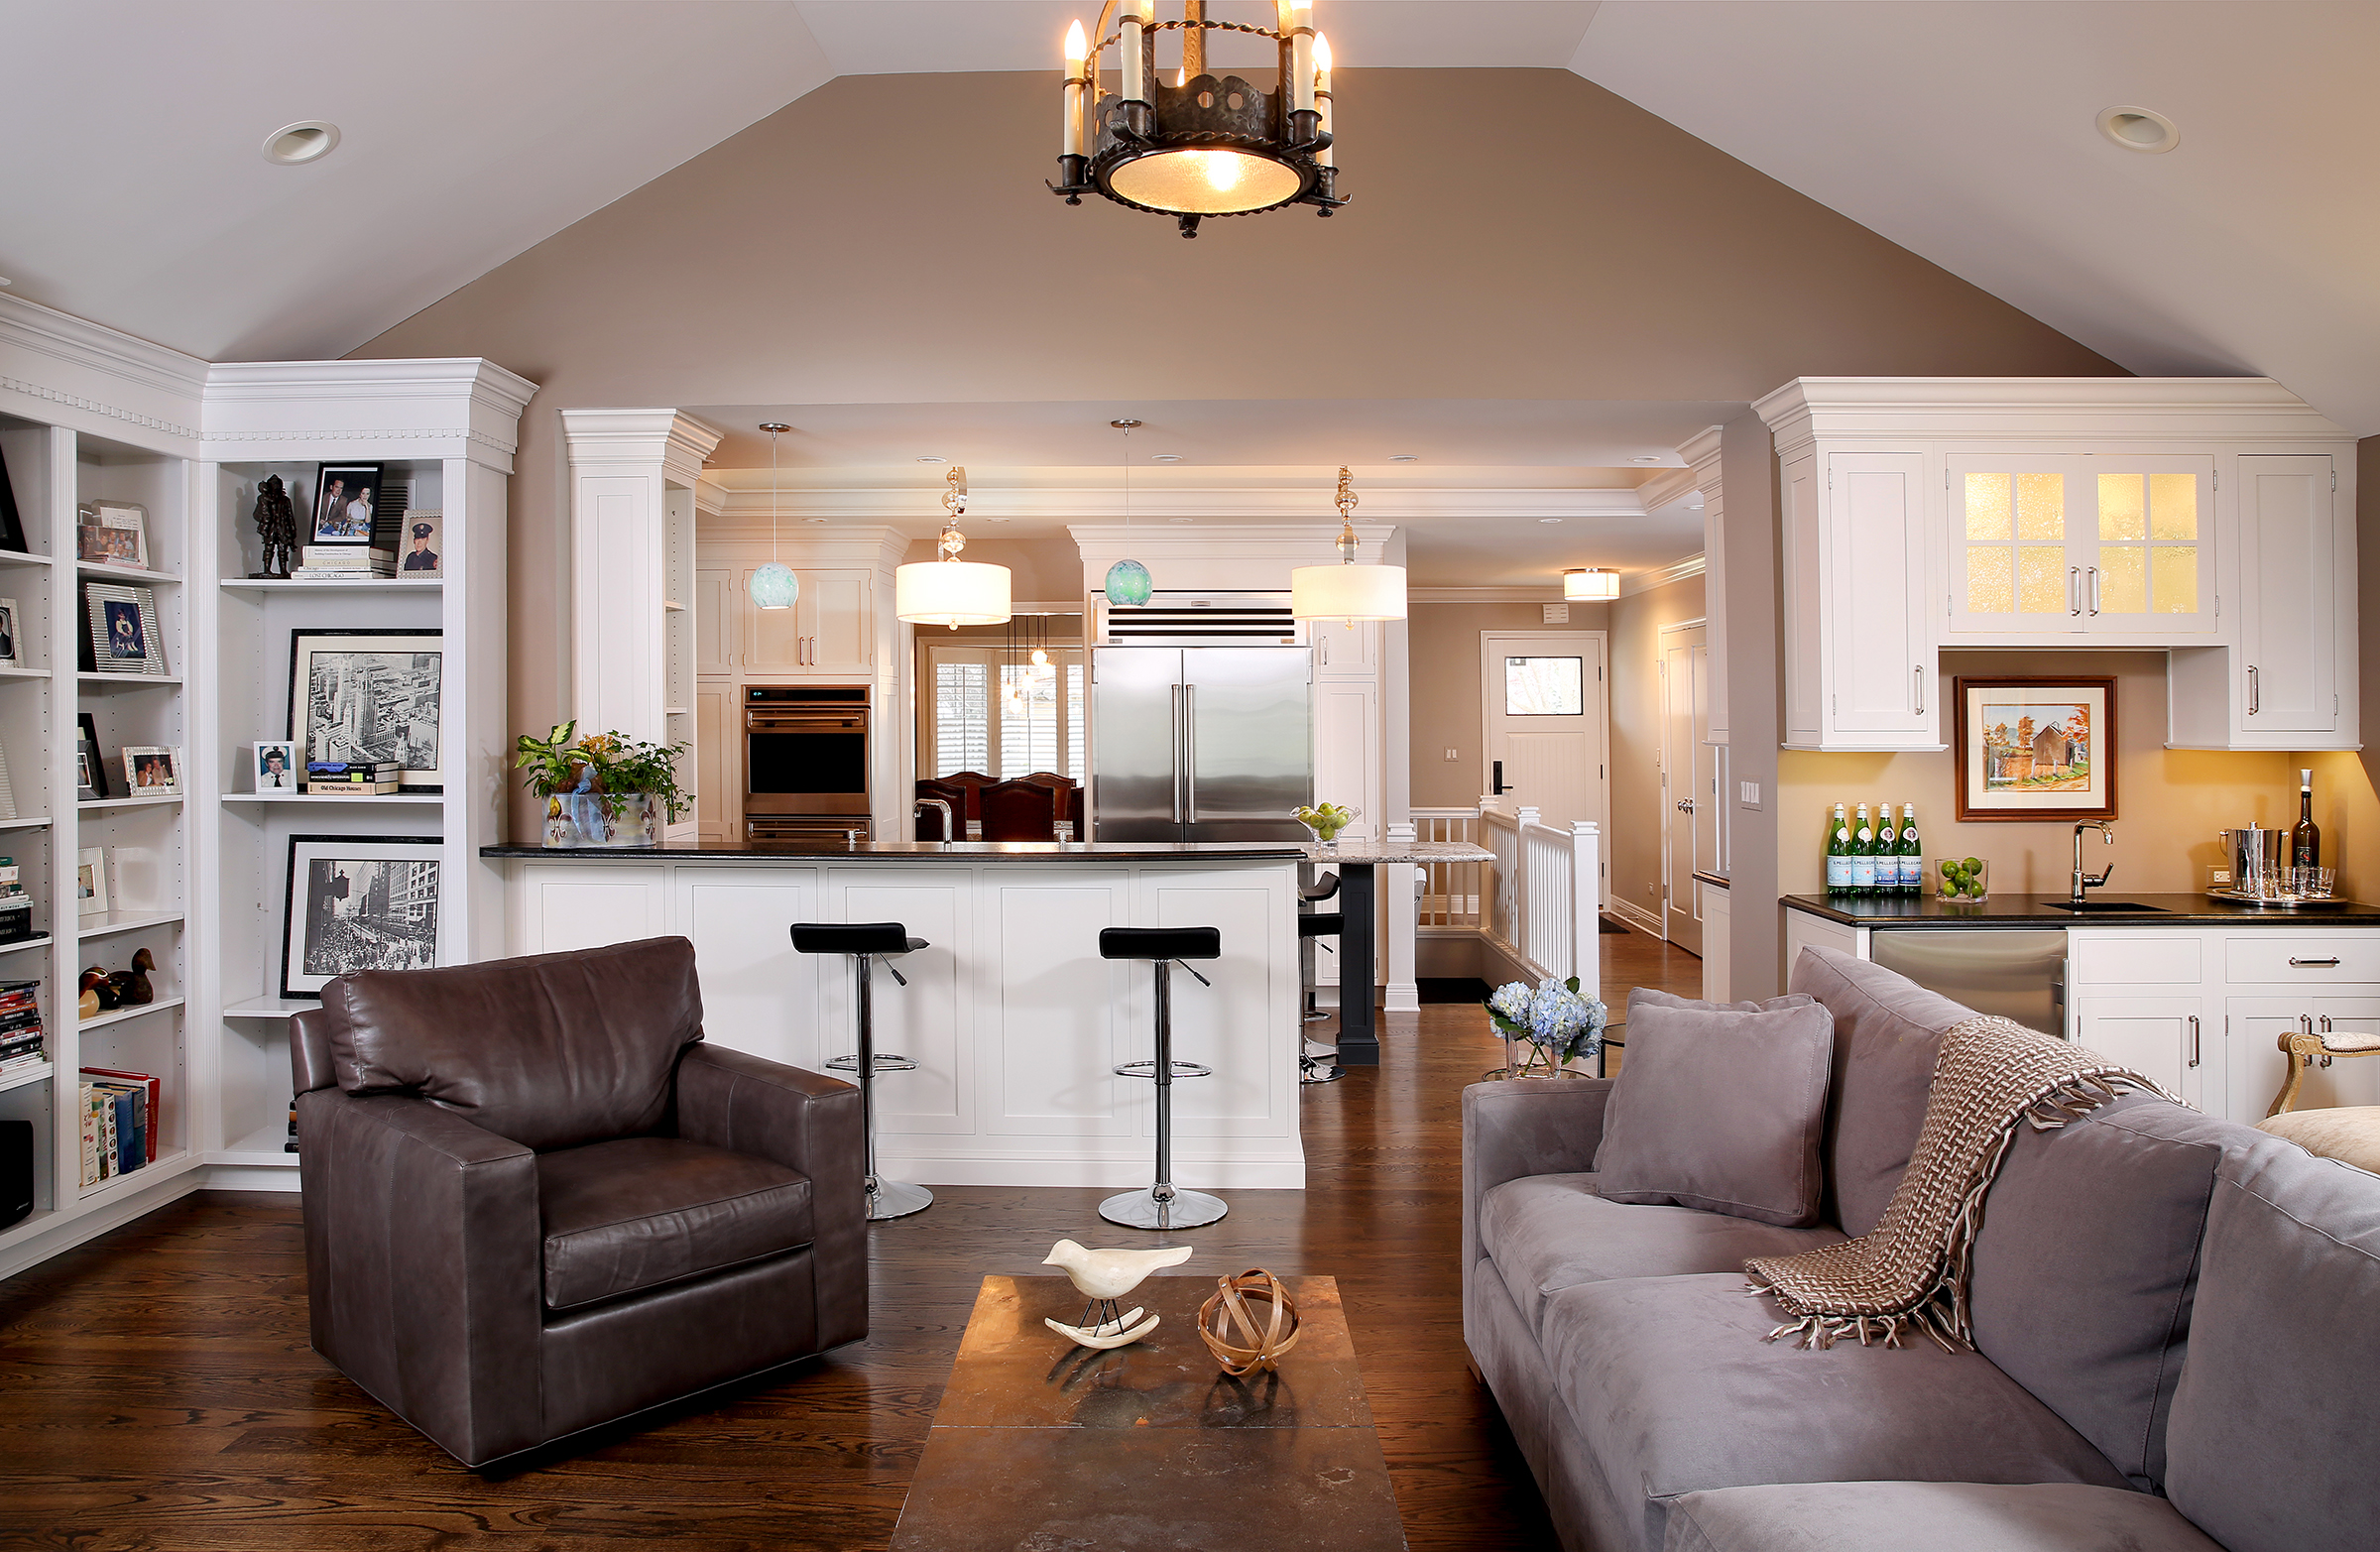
(1960, 130)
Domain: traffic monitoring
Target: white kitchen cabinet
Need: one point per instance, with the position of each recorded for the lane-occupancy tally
(1345, 650)
(718, 762)
(1860, 657)
(718, 619)
(2159, 1035)
(1346, 752)
(2257, 1066)
(2061, 551)
(829, 630)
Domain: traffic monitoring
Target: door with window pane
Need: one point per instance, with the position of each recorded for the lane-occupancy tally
(2052, 547)
(1542, 692)
(998, 714)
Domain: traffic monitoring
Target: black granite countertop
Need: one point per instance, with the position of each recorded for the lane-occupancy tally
(914, 851)
(2040, 910)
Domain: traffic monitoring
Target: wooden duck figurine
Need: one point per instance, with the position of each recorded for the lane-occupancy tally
(97, 996)
(131, 987)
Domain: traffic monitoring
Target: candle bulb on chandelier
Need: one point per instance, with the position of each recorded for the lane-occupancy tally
(1322, 91)
(1302, 59)
(1128, 17)
(1072, 139)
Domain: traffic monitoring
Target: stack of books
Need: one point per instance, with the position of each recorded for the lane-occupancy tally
(344, 562)
(20, 1041)
(353, 777)
(119, 1121)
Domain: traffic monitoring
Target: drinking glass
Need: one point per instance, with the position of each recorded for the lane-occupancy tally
(2312, 883)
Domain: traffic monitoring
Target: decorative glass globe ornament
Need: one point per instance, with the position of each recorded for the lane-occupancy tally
(1127, 583)
(774, 586)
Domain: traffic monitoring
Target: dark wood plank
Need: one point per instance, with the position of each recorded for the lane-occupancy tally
(160, 1390)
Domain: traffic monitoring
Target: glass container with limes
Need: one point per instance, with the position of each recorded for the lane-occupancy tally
(1959, 880)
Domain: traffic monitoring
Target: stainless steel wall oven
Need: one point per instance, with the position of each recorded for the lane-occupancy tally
(805, 760)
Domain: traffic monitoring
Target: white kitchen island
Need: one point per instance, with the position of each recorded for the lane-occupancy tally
(1014, 1021)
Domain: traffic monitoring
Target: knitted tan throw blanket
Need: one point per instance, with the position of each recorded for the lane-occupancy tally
(1911, 1271)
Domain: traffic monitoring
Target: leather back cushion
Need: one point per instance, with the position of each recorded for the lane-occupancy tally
(1720, 1110)
(549, 1051)
(1887, 1028)
(2086, 1264)
(2270, 1441)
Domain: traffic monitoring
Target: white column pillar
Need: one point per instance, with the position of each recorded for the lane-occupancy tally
(1397, 884)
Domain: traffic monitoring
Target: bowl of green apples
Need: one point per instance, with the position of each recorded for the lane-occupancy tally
(1326, 820)
(1961, 880)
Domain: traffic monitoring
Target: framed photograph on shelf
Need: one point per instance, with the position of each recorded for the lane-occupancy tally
(150, 771)
(90, 882)
(8, 790)
(358, 903)
(424, 536)
(273, 767)
(8, 634)
(90, 771)
(344, 494)
(112, 533)
(121, 623)
(370, 694)
(12, 522)
(2035, 748)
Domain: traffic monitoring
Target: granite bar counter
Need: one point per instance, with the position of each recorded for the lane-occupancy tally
(1014, 1021)
(2045, 911)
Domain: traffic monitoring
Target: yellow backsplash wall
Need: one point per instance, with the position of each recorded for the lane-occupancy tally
(2169, 802)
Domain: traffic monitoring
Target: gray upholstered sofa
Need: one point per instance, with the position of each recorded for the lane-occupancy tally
(2176, 1323)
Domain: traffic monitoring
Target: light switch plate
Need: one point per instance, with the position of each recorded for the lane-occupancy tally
(1454, 754)
(1749, 793)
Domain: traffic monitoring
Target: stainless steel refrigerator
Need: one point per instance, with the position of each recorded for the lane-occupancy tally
(1200, 743)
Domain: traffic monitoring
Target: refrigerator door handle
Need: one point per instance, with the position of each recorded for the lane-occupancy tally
(1174, 695)
(1190, 751)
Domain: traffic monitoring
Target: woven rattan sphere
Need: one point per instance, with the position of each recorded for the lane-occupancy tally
(1248, 1322)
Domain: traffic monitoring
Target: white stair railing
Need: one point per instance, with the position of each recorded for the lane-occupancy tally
(1449, 891)
(1541, 896)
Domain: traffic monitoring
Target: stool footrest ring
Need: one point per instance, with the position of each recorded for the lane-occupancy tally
(1149, 1070)
(884, 1063)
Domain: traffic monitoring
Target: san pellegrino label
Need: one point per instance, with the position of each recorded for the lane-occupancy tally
(1863, 854)
(1839, 853)
(1913, 860)
(1888, 852)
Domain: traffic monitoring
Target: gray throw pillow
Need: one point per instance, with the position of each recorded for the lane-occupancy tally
(1646, 997)
(1721, 1111)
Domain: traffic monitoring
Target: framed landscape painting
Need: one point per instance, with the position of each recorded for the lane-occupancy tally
(2035, 748)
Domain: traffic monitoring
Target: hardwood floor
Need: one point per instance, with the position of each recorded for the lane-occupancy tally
(160, 1393)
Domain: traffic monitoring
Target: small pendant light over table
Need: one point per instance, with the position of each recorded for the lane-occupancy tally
(951, 591)
(1128, 582)
(1346, 591)
(773, 586)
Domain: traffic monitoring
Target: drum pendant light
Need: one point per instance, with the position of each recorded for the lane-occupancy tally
(1346, 591)
(773, 586)
(1127, 580)
(951, 591)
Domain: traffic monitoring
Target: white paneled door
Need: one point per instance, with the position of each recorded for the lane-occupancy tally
(1689, 795)
(1547, 713)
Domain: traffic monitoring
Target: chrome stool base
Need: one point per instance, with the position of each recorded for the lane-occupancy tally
(895, 1198)
(884, 1063)
(1318, 1064)
(1144, 1209)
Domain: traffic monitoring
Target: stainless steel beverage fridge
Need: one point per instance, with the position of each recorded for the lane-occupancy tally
(1200, 743)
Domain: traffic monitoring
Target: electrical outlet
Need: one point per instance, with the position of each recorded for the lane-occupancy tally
(1454, 754)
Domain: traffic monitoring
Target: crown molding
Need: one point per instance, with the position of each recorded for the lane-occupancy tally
(600, 440)
(79, 342)
(1547, 593)
(2045, 414)
(1666, 488)
(1646, 581)
(1104, 503)
(103, 376)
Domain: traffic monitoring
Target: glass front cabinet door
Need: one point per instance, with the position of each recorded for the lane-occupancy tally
(2051, 548)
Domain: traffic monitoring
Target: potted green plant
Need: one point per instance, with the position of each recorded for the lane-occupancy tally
(604, 789)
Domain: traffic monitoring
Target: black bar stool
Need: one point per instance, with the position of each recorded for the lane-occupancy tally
(1163, 1205)
(1317, 1062)
(1309, 897)
(863, 941)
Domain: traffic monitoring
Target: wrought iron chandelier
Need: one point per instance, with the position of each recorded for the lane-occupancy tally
(1202, 146)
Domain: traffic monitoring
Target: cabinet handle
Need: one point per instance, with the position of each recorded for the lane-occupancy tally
(2074, 590)
(2296, 963)
(2095, 592)
(2193, 1039)
(1917, 693)
(1324, 642)
(2255, 690)
(2324, 1023)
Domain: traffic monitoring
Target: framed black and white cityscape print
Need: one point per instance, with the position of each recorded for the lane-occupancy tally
(358, 903)
(370, 694)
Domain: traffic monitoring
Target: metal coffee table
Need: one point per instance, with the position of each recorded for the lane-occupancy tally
(1148, 1448)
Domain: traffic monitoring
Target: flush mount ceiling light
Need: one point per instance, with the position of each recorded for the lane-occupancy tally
(951, 591)
(1165, 457)
(773, 586)
(295, 145)
(1590, 584)
(2139, 129)
(930, 459)
(1647, 458)
(1404, 457)
(1549, 520)
(1346, 591)
(1202, 146)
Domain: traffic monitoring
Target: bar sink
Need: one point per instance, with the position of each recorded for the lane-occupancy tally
(2135, 907)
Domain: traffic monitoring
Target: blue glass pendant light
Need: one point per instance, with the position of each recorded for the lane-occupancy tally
(1127, 580)
(773, 585)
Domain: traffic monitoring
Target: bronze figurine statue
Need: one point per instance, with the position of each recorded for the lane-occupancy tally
(277, 526)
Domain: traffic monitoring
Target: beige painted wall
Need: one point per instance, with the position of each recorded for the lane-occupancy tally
(1639, 819)
(2169, 802)
(1445, 650)
(801, 262)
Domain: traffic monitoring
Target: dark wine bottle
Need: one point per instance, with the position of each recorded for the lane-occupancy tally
(2306, 841)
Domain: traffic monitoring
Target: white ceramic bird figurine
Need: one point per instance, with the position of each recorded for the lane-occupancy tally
(1103, 1276)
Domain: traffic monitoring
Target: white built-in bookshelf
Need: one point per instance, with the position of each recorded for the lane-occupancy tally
(200, 879)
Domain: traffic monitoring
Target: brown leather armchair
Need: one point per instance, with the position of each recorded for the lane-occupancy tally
(536, 1202)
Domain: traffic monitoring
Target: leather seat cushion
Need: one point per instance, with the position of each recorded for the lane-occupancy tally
(1547, 1233)
(1673, 1391)
(1940, 1516)
(641, 1212)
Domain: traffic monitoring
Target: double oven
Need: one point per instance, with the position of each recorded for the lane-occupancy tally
(805, 762)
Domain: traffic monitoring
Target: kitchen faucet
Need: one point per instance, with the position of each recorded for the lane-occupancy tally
(2085, 881)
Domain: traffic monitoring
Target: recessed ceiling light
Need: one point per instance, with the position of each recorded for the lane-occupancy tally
(2139, 129)
(1404, 457)
(1697, 506)
(1549, 520)
(995, 519)
(295, 145)
(1181, 519)
(814, 519)
(1647, 458)
(930, 459)
(1165, 457)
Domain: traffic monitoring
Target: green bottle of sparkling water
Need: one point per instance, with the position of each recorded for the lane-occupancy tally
(1863, 854)
(1888, 852)
(1913, 853)
(1839, 854)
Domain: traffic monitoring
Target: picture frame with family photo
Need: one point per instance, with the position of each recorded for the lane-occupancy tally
(10, 645)
(121, 623)
(112, 533)
(346, 500)
(275, 767)
(90, 771)
(151, 770)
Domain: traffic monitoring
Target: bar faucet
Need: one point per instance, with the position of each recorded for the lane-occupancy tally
(2085, 881)
(950, 822)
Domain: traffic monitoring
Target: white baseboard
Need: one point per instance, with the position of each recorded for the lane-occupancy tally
(1401, 997)
(1638, 917)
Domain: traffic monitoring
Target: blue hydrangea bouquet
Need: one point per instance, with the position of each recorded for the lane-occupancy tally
(1555, 1023)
